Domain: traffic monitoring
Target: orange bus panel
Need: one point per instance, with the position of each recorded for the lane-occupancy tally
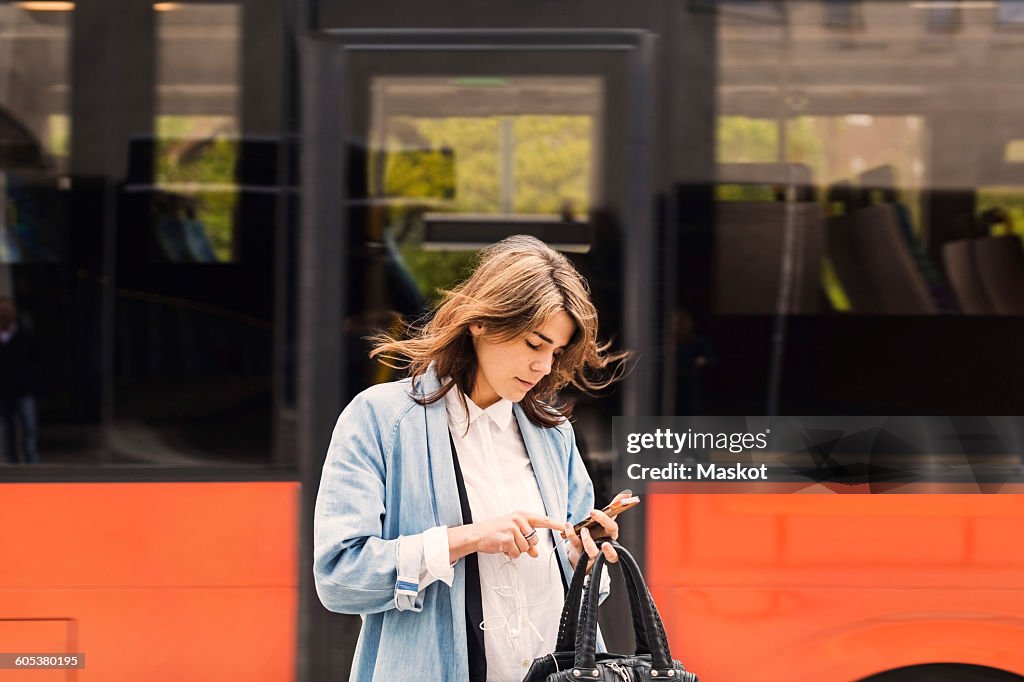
(151, 581)
(835, 588)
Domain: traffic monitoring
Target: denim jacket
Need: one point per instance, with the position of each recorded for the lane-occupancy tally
(388, 478)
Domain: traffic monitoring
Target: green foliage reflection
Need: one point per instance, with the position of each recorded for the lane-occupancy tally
(458, 167)
(200, 164)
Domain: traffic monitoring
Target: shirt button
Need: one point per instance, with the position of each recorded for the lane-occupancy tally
(526, 663)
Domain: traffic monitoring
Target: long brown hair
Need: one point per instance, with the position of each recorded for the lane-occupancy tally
(517, 285)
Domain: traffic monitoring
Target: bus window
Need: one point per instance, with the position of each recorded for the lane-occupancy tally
(455, 163)
(885, 154)
(195, 286)
(39, 268)
(865, 247)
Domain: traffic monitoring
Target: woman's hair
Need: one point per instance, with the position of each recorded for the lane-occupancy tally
(517, 285)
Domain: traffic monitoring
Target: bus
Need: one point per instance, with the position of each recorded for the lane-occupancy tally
(811, 207)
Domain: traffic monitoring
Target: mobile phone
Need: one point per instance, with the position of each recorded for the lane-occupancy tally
(612, 510)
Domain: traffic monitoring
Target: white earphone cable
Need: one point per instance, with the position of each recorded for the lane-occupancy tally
(514, 620)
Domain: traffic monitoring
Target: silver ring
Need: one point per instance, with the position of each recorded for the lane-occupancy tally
(532, 533)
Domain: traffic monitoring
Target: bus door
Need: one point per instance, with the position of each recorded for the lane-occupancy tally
(421, 147)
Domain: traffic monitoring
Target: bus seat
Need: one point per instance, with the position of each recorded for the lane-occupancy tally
(747, 257)
(874, 266)
(1002, 270)
(962, 269)
(996, 264)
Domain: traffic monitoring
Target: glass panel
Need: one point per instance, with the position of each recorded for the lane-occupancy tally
(456, 163)
(499, 165)
(521, 147)
(195, 172)
(194, 308)
(196, 128)
(836, 116)
(885, 154)
(36, 405)
(866, 248)
(34, 133)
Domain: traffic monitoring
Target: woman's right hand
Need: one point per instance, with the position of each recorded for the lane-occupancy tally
(502, 534)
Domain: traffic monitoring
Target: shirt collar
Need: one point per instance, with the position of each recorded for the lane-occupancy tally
(500, 412)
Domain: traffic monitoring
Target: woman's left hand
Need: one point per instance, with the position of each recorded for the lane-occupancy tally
(584, 542)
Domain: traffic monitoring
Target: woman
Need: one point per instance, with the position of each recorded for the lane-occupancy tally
(440, 493)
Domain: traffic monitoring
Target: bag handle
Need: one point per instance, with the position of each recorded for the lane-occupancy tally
(586, 635)
(571, 609)
(640, 602)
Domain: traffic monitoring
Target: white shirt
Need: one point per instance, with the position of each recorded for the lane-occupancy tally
(499, 479)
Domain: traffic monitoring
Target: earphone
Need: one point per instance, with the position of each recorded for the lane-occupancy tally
(512, 622)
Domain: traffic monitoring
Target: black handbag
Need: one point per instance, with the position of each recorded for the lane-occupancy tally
(575, 656)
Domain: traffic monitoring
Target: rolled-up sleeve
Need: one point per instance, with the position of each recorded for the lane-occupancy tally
(436, 553)
(422, 560)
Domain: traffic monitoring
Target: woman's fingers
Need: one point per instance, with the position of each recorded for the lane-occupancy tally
(528, 531)
(575, 549)
(608, 526)
(588, 543)
(532, 540)
(540, 521)
(519, 544)
(593, 550)
(528, 534)
(572, 537)
(526, 526)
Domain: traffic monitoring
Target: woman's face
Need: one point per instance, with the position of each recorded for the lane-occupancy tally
(509, 369)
